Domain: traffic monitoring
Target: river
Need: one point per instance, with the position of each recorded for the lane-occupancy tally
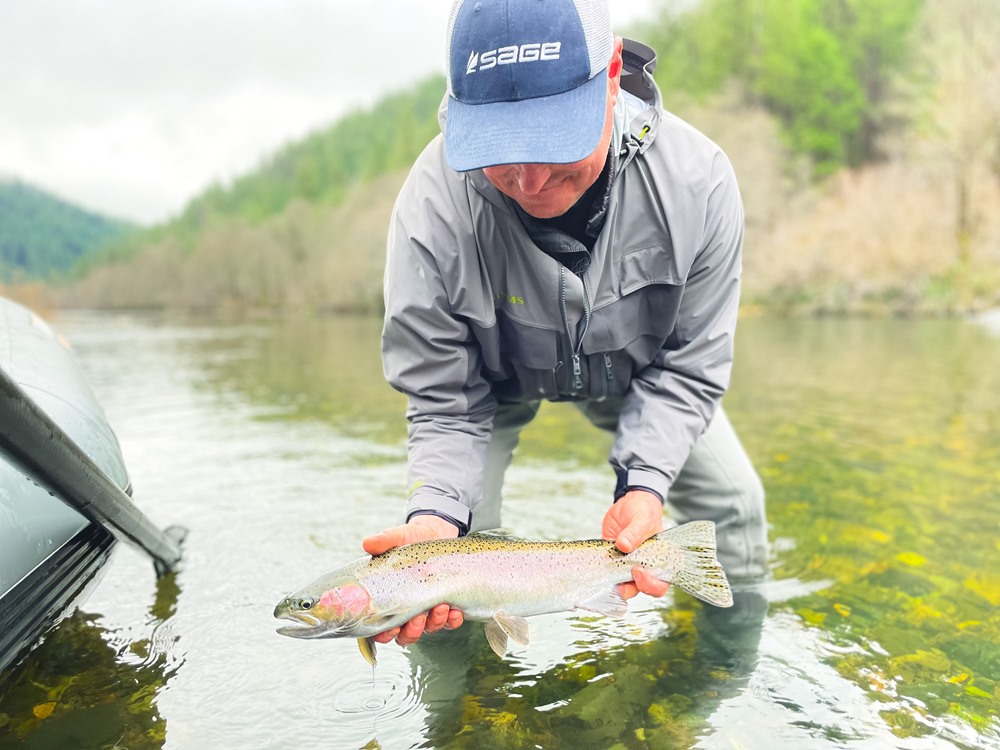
(279, 446)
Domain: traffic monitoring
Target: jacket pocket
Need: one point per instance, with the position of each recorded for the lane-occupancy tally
(648, 265)
(530, 362)
(640, 320)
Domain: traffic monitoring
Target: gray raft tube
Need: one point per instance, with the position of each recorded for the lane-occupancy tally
(34, 441)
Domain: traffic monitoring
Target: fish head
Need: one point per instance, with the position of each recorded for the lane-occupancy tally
(328, 608)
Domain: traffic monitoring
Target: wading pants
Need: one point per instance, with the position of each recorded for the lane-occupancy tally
(718, 483)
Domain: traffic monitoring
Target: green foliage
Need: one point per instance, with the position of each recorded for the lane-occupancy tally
(804, 76)
(701, 49)
(42, 236)
(875, 40)
(822, 66)
(323, 166)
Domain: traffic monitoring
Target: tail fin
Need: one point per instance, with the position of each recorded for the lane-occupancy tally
(700, 573)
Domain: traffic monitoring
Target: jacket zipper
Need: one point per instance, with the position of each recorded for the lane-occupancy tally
(578, 345)
(565, 317)
(609, 374)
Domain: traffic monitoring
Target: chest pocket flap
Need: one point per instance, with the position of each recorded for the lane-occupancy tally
(646, 266)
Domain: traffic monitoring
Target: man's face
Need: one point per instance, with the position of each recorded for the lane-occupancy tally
(548, 190)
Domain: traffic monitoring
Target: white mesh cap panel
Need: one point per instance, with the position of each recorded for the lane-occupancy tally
(455, 8)
(595, 16)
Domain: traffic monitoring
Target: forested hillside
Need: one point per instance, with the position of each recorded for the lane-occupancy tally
(865, 135)
(825, 69)
(321, 169)
(42, 237)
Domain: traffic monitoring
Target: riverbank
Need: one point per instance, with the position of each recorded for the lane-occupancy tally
(961, 293)
(892, 239)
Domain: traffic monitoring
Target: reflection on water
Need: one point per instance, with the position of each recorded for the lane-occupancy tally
(86, 687)
(279, 446)
(311, 369)
(654, 692)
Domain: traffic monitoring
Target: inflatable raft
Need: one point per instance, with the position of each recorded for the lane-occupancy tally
(63, 483)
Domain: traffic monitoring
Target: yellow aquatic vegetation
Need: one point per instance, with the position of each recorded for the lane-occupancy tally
(987, 585)
(658, 714)
(44, 710)
(978, 692)
(933, 660)
(912, 559)
(811, 616)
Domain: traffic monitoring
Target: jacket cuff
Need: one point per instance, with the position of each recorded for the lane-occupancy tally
(442, 506)
(642, 479)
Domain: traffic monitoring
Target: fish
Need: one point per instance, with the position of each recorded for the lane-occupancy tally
(499, 581)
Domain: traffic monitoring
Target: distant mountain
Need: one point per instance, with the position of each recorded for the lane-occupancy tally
(43, 237)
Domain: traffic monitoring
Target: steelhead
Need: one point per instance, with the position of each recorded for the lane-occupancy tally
(499, 581)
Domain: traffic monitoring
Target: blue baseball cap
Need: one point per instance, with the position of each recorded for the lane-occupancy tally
(527, 81)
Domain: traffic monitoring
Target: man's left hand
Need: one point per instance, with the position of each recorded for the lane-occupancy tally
(636, 517)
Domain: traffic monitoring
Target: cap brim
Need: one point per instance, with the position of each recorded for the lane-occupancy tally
(559, 129)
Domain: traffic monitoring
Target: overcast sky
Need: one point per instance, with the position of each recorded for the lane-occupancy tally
(132, 107)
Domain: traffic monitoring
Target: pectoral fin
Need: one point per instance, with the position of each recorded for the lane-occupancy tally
(502, 627)
(367, 648)
(385, 619)
(608, 602)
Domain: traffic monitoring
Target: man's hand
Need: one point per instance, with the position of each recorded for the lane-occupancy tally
(419, 529)
(636, 517)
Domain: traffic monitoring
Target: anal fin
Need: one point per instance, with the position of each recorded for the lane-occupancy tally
(367, 648)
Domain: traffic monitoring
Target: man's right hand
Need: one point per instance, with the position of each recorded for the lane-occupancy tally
(636, 517)
(418, 529)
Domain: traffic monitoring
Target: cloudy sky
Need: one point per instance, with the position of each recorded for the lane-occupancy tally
(132, 107)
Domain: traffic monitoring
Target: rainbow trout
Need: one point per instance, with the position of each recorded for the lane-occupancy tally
(499, 581)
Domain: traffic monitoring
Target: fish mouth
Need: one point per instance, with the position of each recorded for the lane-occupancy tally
(305, 625)
(298, 631)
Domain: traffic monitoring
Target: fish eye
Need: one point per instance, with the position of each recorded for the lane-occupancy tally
(306, 603)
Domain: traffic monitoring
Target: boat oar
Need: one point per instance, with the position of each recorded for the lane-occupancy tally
(54, 460)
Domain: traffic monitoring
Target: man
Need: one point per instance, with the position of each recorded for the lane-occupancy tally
(565, 239)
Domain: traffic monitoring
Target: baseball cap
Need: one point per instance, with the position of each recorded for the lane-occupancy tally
(526, 81)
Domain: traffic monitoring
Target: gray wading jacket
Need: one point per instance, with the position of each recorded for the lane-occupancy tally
(477, 314)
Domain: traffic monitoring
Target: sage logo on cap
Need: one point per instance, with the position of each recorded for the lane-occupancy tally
(539, 51)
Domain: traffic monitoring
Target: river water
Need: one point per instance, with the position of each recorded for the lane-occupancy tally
(279, 447)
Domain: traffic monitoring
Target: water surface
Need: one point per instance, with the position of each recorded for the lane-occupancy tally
(279, 446)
